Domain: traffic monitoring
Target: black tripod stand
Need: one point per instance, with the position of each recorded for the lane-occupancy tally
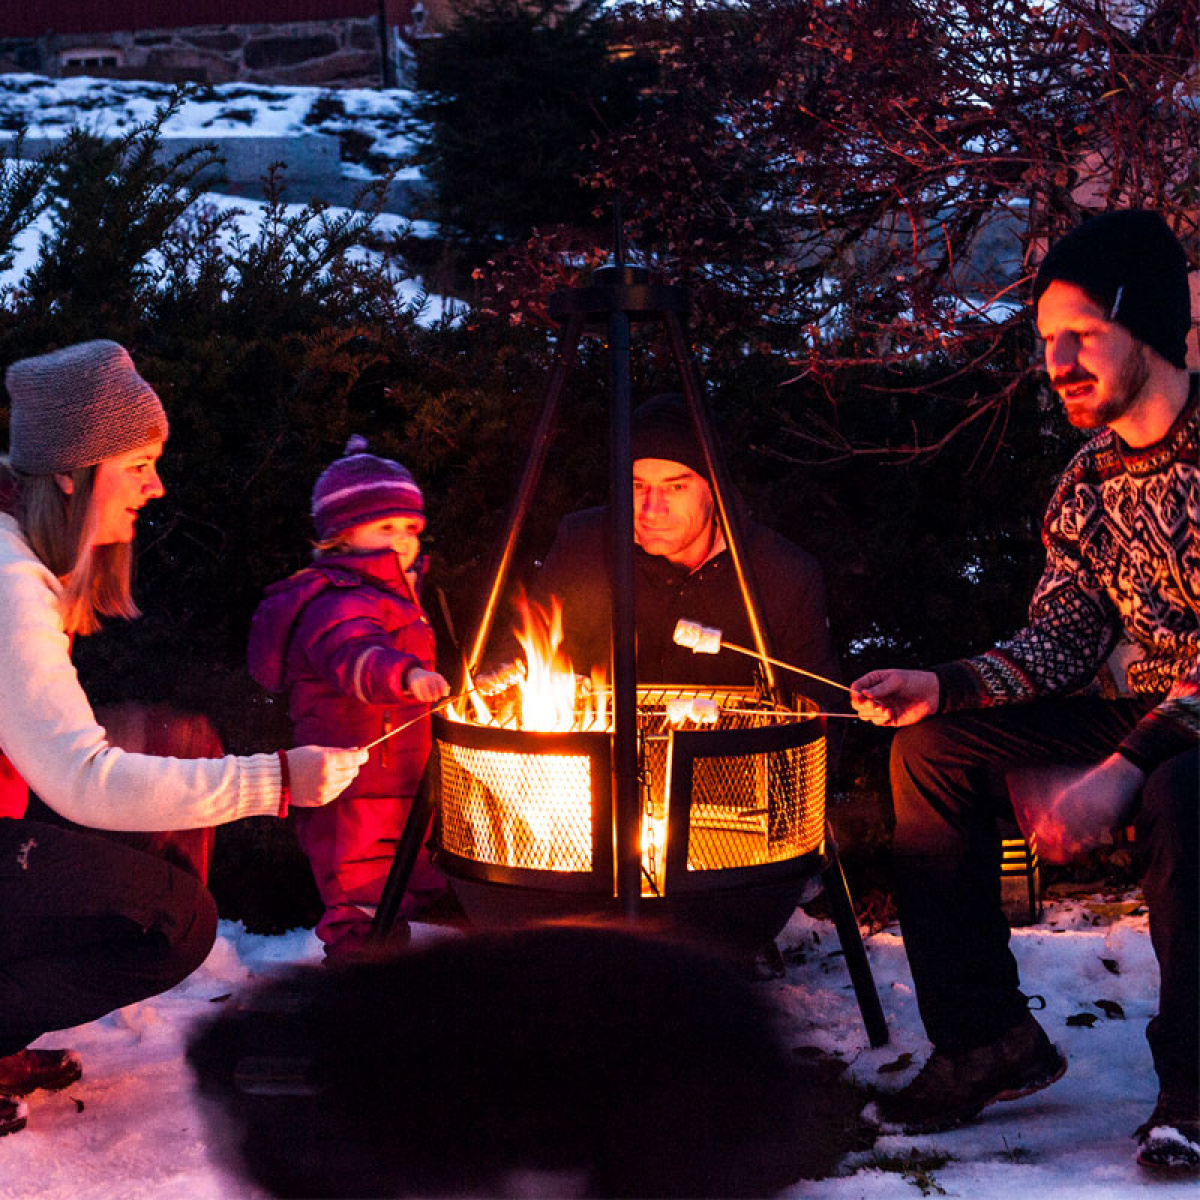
(619, 296)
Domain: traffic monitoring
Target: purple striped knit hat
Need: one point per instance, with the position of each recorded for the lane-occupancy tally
(360, 488)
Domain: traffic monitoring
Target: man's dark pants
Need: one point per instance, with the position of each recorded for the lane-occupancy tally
(949, 785)
(88, 925)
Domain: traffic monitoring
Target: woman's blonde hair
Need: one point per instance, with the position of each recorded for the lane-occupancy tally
(97, 580)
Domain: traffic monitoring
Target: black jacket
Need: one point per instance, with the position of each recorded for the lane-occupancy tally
(791, 590)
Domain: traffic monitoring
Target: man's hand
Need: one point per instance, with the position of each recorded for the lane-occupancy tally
(426, 686)
(321, 773)
(895, 697)
(1070, 810)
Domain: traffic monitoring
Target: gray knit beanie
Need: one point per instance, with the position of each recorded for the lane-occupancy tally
(1132, 265)
(78, 406)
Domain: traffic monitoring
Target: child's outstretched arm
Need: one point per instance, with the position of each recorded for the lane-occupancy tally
(347, 643)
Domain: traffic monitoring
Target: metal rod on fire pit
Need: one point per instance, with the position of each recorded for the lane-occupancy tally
(564, 359)
(722, 490)
(626, 793)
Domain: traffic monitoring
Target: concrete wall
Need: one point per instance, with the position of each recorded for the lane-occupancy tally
(316, 156)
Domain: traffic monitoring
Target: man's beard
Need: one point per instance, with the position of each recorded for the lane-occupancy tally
(1134, 373)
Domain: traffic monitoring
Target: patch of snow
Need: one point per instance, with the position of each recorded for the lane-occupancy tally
(132, 1127)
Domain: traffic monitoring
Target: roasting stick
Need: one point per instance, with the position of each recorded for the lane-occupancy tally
(445, 702)
(703, 639)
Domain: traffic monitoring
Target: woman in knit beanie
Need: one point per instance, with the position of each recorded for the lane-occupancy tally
(86, 924)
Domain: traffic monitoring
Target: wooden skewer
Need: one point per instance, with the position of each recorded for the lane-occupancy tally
(459, 696)
(448, 700)
(787, 667)
(443, 703)
(704, 639)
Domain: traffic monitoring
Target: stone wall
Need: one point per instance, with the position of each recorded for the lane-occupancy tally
(332, 53)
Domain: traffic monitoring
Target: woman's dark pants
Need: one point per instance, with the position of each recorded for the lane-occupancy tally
(949, 786)
(87, 926)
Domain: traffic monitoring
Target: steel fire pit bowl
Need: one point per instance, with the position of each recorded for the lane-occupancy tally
(733, 815)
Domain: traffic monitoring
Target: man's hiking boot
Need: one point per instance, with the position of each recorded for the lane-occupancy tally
(1170, 1140)
(13, 1114)
(953, 1088)
(28, 1070)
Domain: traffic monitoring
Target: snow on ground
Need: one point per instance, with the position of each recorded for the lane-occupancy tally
(131, 1129)
(49, 107)
(370, 121)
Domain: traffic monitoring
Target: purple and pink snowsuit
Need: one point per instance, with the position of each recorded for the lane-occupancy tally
(340, 637)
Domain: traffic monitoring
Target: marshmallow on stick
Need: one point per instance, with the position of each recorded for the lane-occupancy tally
(703, 639)
(699, 639)
(699, 709)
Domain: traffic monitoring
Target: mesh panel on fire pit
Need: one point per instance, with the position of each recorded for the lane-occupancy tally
(514, 809)
(746, 808)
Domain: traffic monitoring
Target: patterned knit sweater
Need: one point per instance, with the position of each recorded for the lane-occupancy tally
(1122, 538)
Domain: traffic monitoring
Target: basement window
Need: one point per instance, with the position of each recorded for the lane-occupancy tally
(82, 58)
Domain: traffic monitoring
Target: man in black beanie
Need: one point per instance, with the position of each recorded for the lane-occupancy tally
(683, 569)
(1085, 721)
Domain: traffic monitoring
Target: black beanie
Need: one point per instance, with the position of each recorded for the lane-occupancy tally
(662, 428)
(1132, 265)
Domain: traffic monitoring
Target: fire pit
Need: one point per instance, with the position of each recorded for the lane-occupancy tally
(732, 825)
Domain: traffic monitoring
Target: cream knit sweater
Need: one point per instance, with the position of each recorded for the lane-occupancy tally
(50, 734)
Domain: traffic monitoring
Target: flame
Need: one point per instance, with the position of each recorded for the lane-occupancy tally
(549, 687)
(533, 809)
(545, 799)
(547, 697)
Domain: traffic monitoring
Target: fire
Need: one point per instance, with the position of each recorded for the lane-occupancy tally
(544, 799)
(547, 696)
(532, 808)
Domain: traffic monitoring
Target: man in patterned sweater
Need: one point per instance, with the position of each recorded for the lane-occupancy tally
(1030, 722)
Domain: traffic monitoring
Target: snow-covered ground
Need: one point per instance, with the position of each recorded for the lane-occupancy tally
(375, 117)
(370, 122)
(131, 1128)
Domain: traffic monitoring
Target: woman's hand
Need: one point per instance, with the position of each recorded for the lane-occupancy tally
(426, 686)
(895, 697)
(321, 773)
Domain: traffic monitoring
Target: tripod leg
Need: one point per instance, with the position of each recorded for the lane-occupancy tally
(564, 360)
(852, 946)
(408, 846)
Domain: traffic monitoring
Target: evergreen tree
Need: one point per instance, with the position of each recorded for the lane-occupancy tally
(513, 98)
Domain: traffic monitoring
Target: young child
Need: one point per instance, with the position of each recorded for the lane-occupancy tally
(347, 639)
